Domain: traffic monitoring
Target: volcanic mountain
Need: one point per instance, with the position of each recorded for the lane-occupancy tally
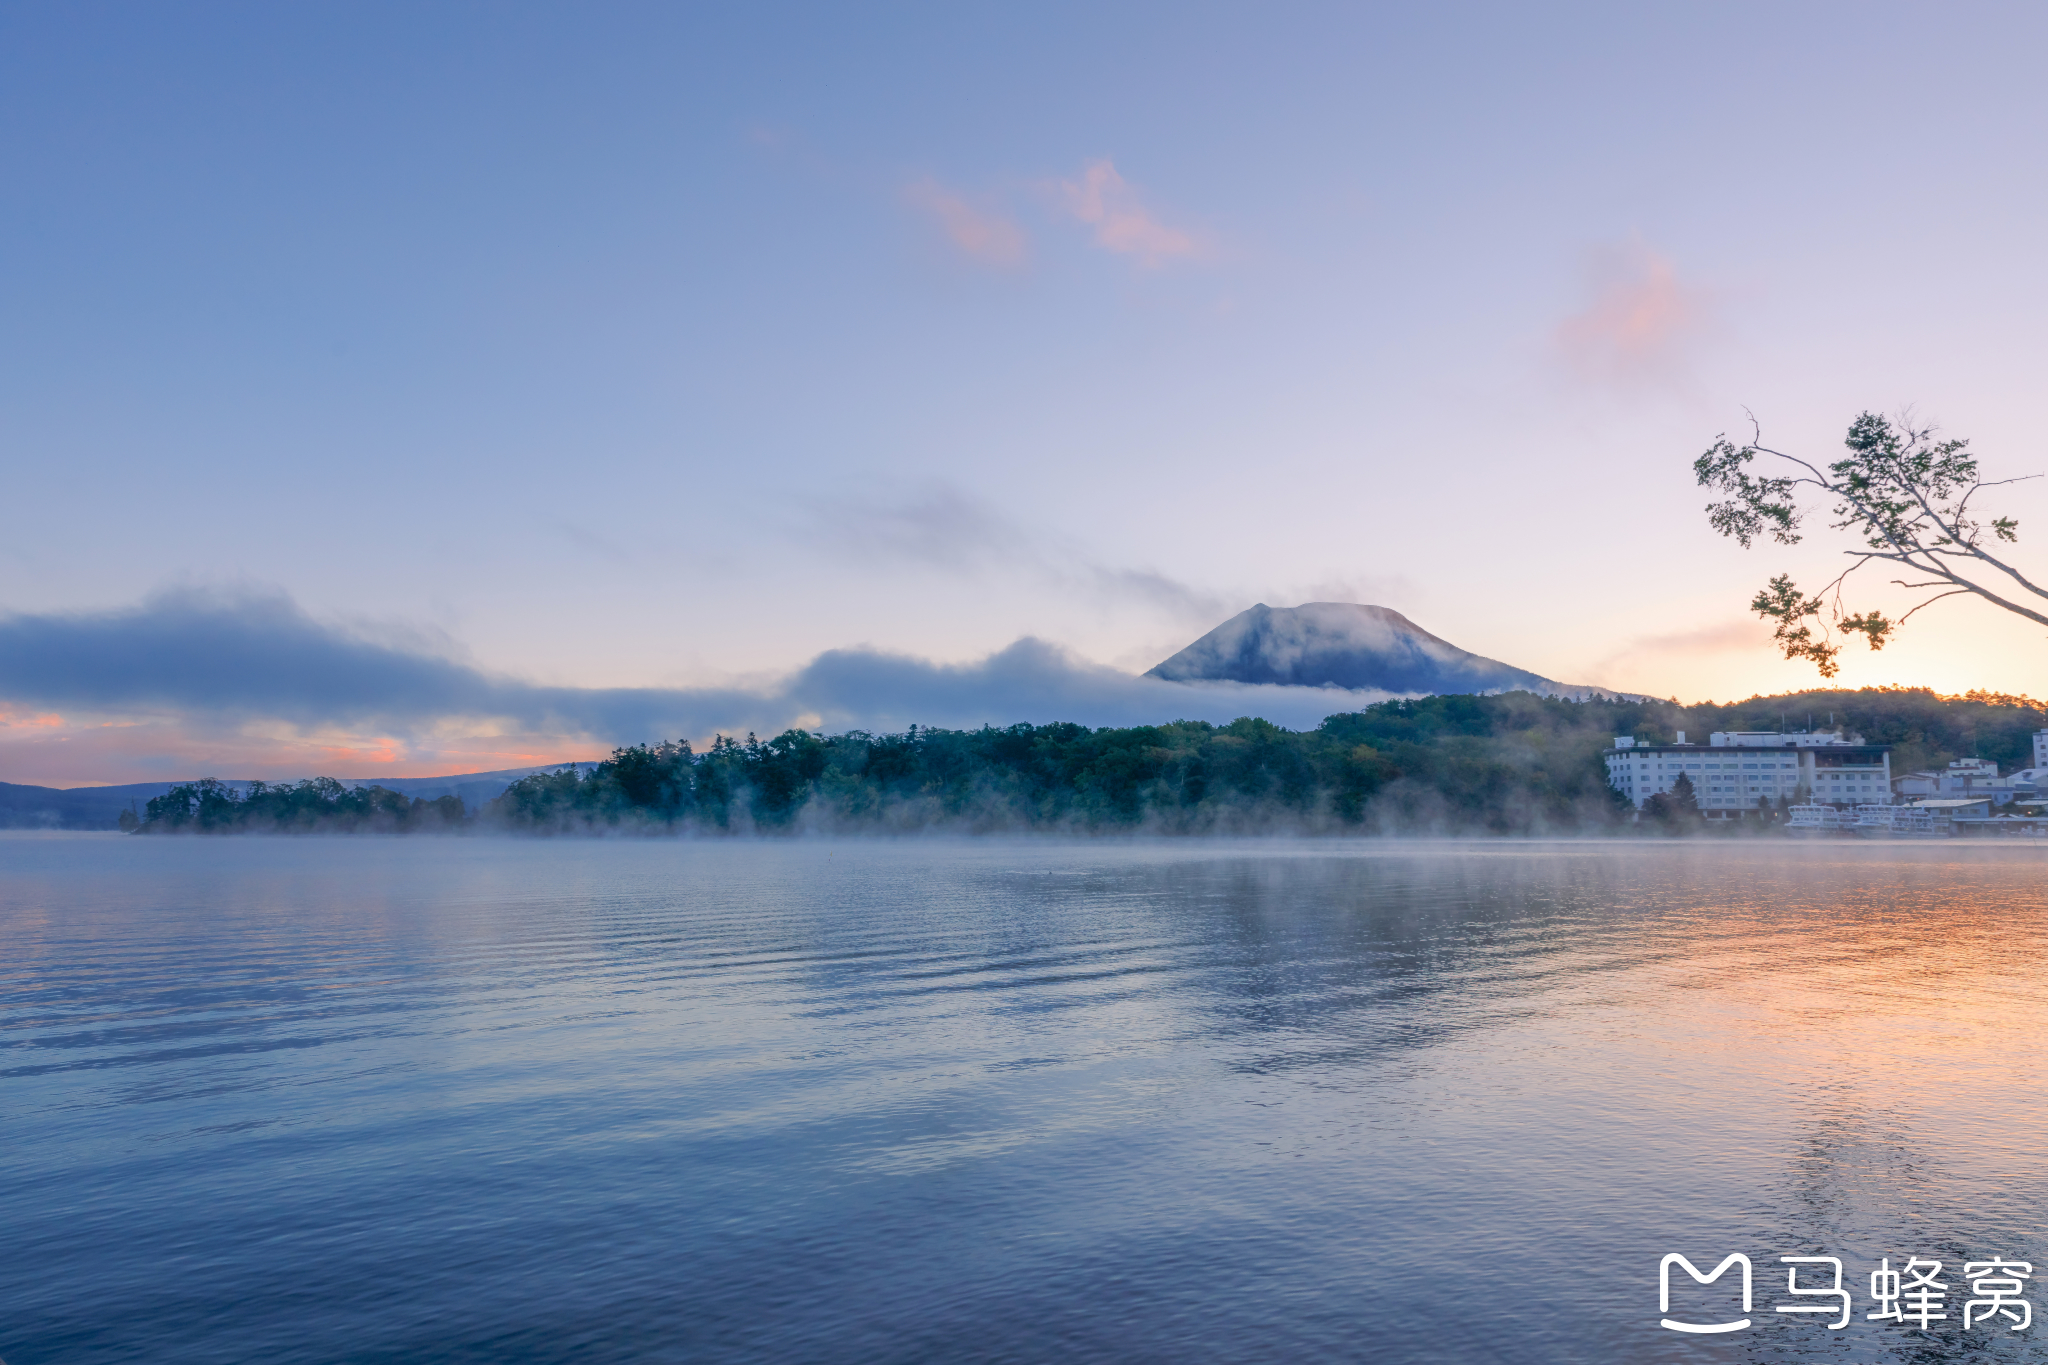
(1344, 644)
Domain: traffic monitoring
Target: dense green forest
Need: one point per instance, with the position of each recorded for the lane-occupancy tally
(1510, 764)
(1500, 765)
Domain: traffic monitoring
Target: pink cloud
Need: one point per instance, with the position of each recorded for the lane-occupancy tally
(98, 750)
(1641, 325)
(977, 233)
(1104, 199)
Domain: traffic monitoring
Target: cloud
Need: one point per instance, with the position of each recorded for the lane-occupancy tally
(940, 526)
(935, 525)
(980, 234)
(1730, 637)
(1642, 323)
(1035, 681)
(1103, 199)
(193, 680)
(167, 746)
(1182, 600)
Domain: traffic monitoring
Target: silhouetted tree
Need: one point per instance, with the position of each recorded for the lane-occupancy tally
(318, 805)
(1684, 800)
(1904, 499)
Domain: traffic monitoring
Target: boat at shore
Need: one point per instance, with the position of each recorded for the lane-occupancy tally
(1816, 820)
(1898, 822)
(1866, 822)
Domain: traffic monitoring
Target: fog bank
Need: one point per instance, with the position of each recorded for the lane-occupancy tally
(213, 662)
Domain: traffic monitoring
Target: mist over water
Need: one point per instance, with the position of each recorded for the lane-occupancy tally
(839, 1101)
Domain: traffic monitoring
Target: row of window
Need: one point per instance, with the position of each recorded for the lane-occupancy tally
(1730, 767)
(1754, 778)
(1758, 780)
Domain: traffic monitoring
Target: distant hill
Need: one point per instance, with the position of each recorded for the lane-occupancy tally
(473, 788)
(1345, 644)
(24, 807)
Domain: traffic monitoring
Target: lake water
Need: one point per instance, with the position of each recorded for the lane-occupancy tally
(483, 1100)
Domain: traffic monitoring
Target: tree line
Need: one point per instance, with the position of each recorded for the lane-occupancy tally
(1501, 765)
(1513, 764)
(318, 805)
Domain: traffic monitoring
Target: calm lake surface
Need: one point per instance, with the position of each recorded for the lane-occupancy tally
(486, 1100)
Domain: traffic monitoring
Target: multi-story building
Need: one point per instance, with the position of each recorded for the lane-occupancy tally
(2041, 748)
(1738, 771)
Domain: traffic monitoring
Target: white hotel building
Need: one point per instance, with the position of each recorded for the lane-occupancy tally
(1737, 769)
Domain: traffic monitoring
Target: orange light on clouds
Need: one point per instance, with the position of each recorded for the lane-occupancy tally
(379, 753)
(77, 751)
(1641, 325)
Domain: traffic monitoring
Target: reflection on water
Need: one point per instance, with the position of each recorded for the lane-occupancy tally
(473, 1100)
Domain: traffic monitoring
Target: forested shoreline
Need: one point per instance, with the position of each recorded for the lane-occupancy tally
(317, 805)
(1512, 764)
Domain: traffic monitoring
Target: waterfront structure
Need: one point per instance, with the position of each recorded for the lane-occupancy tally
(1891, 822)
(1882, 821)
(1738, 771)
(1966, 777)
(1945, 809)
(1999, 826)
(2041, 748)
(1811, 819)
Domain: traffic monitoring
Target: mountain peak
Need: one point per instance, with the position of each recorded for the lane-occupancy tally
(1341, 644)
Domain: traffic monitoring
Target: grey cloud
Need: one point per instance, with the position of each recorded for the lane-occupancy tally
(1035, 681)
(249, 655)
(1176, 597)
(942, 527)
(216, 657)
(938, 526)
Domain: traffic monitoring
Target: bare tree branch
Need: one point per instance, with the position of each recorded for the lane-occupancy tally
(1957, 592)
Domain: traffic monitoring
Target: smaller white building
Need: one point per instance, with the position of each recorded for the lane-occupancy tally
(1967, 777)
(1956, 808)
(2041, 748)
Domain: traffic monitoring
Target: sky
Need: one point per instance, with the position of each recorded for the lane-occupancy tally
(406, 389)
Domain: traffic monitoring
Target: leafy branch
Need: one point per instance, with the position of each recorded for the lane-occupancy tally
(1902, 496)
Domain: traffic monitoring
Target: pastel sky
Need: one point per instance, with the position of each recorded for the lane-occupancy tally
(688, 353)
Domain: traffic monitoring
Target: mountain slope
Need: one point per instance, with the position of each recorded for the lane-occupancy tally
(1344, 644)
